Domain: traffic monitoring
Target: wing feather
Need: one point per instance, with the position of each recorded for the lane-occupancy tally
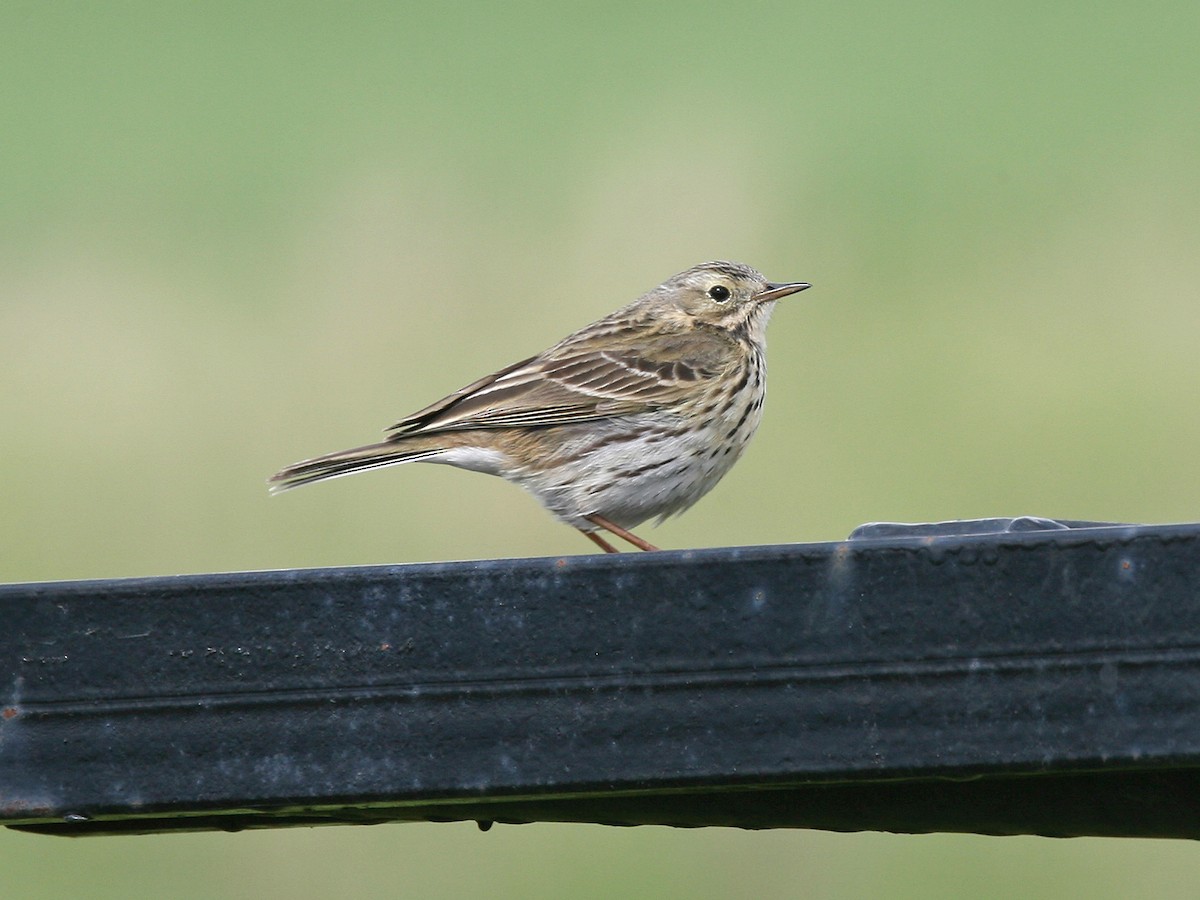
(571, 383)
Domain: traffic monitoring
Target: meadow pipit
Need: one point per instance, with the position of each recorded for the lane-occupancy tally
(637, 415)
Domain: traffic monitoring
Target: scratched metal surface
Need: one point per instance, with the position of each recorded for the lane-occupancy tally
(1025, 679)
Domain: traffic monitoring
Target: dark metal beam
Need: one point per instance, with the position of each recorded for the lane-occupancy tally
(1040, 682)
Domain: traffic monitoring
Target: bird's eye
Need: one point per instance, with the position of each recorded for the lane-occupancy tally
(719, 292)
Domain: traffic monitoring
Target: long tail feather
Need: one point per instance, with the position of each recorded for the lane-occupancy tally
(347, 462)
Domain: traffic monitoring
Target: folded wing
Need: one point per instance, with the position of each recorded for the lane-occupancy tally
(567, 387)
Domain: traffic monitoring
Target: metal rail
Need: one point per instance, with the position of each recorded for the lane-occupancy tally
(1042, 681)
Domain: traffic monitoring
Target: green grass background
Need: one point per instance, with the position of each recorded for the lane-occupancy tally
(235, 235)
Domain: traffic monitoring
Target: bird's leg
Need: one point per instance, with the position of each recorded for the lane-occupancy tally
(599, 541)
(619, 532)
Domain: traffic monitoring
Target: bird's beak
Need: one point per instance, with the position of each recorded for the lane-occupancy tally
(775, 291)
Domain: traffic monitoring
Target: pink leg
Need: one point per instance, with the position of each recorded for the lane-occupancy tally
(599, 541)
(619, 532)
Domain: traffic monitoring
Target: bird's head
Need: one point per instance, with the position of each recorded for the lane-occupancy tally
(726, 295)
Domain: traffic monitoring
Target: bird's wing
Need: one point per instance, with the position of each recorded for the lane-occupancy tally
(568, 386)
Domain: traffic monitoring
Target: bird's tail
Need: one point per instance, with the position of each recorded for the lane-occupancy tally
(347, 462)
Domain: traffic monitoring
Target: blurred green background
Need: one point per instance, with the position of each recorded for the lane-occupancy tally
(235, 235)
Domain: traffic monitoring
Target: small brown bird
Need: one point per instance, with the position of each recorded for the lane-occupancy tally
(637, 415)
